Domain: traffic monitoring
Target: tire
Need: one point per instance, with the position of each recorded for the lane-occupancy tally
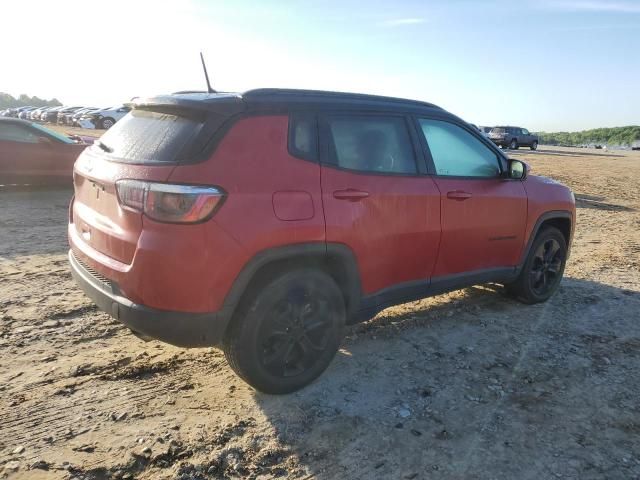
(513, 145)
(543, 269)
(272, 346)
(534, 145)
(107, 123)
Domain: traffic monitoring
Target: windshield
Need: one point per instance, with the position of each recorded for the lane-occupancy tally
(52, 133)
(144, 136)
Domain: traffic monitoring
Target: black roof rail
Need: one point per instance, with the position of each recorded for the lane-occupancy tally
(287, 92)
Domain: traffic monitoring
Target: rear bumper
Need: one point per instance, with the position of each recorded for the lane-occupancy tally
(177, 328)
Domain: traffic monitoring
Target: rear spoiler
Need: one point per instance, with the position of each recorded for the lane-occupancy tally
(226, 104)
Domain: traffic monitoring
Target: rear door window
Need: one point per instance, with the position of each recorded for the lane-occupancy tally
(303, 136)
(144, 136)
(376, 144)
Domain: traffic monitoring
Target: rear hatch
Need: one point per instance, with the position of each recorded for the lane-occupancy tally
(147, 144)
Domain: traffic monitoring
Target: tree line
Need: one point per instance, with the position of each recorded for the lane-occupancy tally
(9, 101)
(606, 136)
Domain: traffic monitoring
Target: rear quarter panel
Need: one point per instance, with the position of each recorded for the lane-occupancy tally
(273, 199)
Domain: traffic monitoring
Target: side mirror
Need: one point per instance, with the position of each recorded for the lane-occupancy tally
(518, 170)
(45, 140)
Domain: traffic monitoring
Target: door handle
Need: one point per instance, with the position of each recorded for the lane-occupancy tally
(350, 194)
(458, 195)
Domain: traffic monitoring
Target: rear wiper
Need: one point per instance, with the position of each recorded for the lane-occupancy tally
(104, 147)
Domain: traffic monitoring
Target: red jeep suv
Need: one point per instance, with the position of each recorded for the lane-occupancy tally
(265, 222)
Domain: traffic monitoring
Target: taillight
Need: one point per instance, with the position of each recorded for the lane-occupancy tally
(170, 203)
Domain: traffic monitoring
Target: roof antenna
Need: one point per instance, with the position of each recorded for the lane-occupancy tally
(206, 75)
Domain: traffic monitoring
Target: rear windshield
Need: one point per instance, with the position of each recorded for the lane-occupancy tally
(143, 136)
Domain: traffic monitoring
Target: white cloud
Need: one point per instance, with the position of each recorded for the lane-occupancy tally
(399, 22)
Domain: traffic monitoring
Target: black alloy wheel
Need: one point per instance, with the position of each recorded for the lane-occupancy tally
(543, 268)
(288, 331)
(548, 261)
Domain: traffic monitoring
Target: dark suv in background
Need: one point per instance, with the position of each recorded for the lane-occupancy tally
(513, 138)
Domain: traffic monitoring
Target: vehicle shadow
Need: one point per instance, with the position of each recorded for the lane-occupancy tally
(33, 220)
(563, 153)
(473, 383)
(594, 202)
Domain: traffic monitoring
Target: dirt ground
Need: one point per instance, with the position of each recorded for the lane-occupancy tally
(65, 130)
(461, 386)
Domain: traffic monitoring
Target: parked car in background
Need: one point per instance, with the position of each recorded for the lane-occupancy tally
(64, 111)
(73, 118)
(24, 114)
(14, 112)
(50, 115)
(104, 118)
(485, 131)
(34, 115)
(513, 137)
(238, 243)
(32, 154)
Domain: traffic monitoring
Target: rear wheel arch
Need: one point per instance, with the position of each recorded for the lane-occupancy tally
(336, 260)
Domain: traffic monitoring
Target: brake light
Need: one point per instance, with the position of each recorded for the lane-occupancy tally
(168, 202)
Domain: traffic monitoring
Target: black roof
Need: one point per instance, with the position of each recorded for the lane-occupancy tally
(225, 102)
(319, 96)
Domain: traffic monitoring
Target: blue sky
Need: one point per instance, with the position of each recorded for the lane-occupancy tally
(546, 65)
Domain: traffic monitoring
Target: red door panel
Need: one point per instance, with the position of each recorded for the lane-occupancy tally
(22, 162)
(62, 159)
(483, 223)
(392, 223)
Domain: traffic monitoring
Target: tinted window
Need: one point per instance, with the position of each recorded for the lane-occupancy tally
(456, 152)
(149, 137)
(303, 136)
(16, 133)
(371, 144)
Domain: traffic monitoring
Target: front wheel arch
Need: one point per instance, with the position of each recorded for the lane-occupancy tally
(560, 219)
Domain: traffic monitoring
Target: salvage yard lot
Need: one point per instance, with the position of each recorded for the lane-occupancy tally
(465, 385)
